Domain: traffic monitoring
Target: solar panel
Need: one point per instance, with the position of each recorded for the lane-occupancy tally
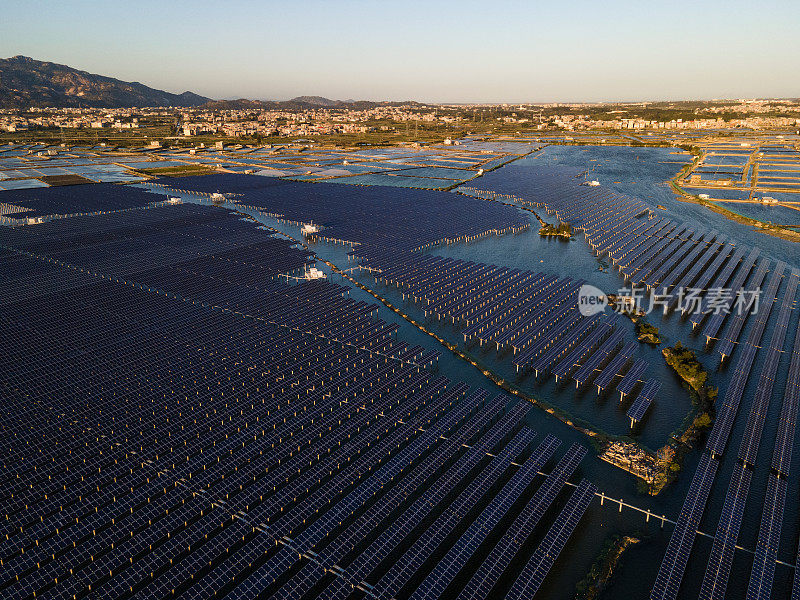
(631, 378)
(719, 563)
(673, 565)
(769, 536)
(643, 401)
(533, 574)
(613, 369)
(657, 270)
(726, 345)
(482, 581)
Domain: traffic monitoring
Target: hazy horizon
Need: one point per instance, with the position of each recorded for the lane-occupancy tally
(448, 53)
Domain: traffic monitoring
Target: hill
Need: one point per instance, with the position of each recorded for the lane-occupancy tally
(27, 82)
(301, 103)
(319, 101)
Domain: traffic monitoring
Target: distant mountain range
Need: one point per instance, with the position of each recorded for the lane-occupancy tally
(26, 82)
(300, 103)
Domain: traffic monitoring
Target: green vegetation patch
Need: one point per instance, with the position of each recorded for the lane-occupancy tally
(563, 230)
(685, 363)
(647, 333)
(601, 572)
(177, 171)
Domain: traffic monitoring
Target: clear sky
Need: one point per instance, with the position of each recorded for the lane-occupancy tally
(449, 51)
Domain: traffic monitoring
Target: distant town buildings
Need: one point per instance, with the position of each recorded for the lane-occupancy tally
(255, 121)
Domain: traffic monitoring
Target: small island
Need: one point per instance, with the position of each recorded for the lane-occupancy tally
(602, 570)
(685, 363)
(690, 369)
(647, 333)
(625, 305)
(563, 230)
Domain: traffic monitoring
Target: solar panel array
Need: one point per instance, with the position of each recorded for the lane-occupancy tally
(616, 367)
(720, 562)
(742, 266)
(391, 219)
(643, 401)
(139, 341)
(535, 315)
(673, 565)
(180, 421)
(532, 313)
(59, 202)
(721, 559)
(738, 317)
(667, 257)
(769, 536)
(545, 555)
(485, 578)
(599, 358)
(726, 413)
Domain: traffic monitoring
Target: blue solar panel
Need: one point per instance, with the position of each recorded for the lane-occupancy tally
(670, 574)
(533, 574)
(769, 537)
(614, 368)
(719, 563)
(643, 400)
(631, 378)
(725, 346)
(482, 581)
